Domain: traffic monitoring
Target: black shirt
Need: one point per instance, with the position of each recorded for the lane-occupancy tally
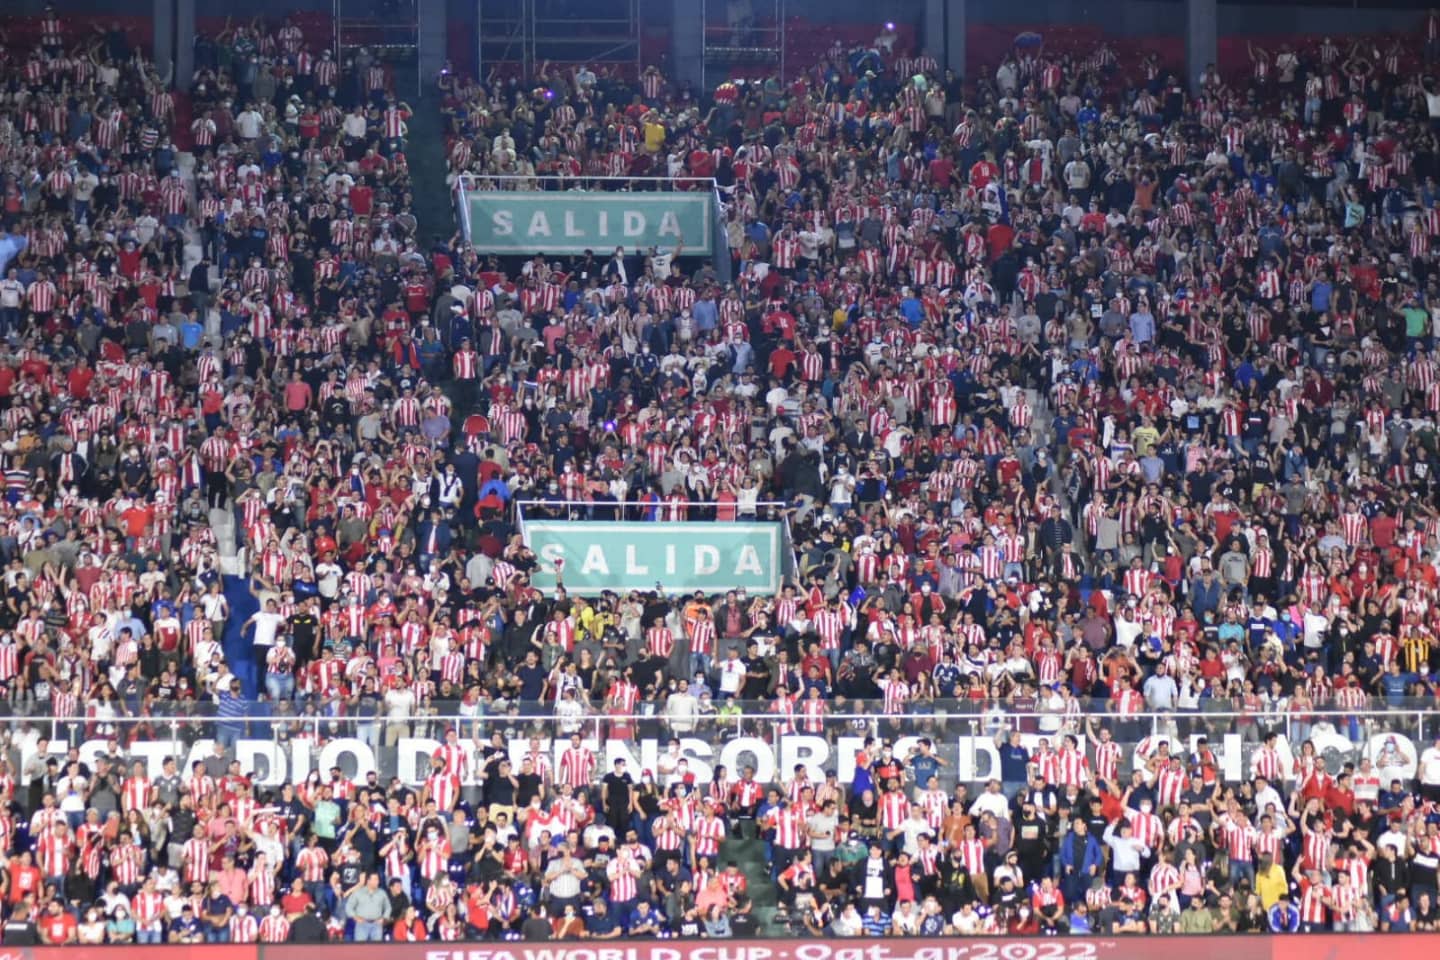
(529, 787)
(536, 928)
(756, 687)
(307, 928)
(350, 874)
(303, 626)
(20, 933)
(617, 788)
(499, 790)
(532, 682)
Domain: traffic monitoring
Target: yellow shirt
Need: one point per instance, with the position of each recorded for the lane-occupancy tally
(1270, 884)
(1145, 438)
(654, 137)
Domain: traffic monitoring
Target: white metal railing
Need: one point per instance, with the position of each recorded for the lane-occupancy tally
(661, 505)
(510, 181)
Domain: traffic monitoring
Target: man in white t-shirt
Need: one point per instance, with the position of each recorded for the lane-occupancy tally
(399, 705)
(266, 624)
(12, 294)
(216, 609)
(1432, 99)
(1429, 772)
(249, 123)
(660, 262)
(732, 673)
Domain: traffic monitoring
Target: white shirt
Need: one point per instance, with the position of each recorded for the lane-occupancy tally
(732, 674)
(989, 802)
(71, 791)
(399, 703)
(1128, 850)
(874, 872)
(681, 708)
(10, 293)
(1430, 767)
(1267, 797)
(354, 126)
(327, 579)
(248, 124)
(850, 924)
(660, 264)
(267, 625)
(215, 606)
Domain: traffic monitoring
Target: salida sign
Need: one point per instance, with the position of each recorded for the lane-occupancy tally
(570, 222)
(976, 758)
(595, 556)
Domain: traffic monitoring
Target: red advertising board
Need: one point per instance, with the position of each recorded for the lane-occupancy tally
(1338, 946)
(1293, 947)
(198, 951)
(975, 948)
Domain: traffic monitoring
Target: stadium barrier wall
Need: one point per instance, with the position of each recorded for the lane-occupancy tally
(278, 746)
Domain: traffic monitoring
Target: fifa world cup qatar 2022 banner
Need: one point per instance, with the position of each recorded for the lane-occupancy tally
(1337, 946)
(974, 756)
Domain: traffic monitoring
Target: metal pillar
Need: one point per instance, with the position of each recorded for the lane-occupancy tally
(687, 43)
(184, 43)
(956, 36)
(1201, 39)
(944, 37)
(503, 37)
(755, 39)
(162, 21)
(432, 36)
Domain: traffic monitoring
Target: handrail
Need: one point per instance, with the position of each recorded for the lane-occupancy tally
(583, 21)
(643, 503)
(507, 177)
(950, 710)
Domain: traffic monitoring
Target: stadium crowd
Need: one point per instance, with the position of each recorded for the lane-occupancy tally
(1086, 399)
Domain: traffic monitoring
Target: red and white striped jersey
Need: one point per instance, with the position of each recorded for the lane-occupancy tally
(311, 862)
(894, 809)
(1239, 840)
(274, 929)
(709, 833)
(1163, 877)
(244, 928)
(622, 873)
(1312, 901)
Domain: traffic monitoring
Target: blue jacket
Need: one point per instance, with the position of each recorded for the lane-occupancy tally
(11, 246)
(1082, 859)
(1284, 918)
(442, 536)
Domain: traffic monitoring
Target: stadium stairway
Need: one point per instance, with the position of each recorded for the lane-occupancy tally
(749, 855)
(434, 213)
(239, 652)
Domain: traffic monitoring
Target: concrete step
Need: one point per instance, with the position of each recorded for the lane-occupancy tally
(749, 855)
